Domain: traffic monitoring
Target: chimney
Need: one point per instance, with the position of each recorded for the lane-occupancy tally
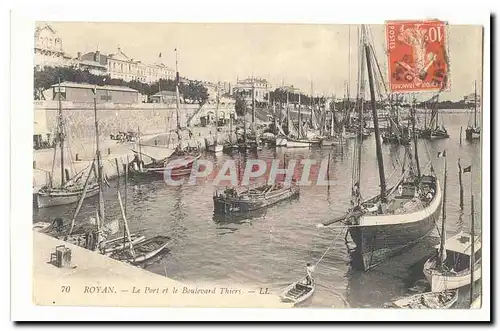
(97, 56)
(79, 55)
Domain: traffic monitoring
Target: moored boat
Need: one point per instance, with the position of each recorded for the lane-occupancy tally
(142, 251)
(232, 202)
(113, 245)
(455, 272)
(298, 291)
(401, 214)
(57, 196)
(428, 300)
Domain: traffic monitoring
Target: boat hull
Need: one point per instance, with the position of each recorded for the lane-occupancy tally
(281, 142)
(440, 282)
(415, 301)
(379, 237)
(231, 206)
(291, 143)
(215, 148)
(472, 134)
(158, 243)
(45, 199)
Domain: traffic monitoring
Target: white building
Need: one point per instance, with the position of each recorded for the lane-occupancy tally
(121, 66)
(260, 87)
(49, 49)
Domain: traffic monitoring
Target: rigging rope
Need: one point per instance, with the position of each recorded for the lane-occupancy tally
(333, 242)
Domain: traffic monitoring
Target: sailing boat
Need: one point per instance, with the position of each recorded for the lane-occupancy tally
(396, 133)
(399, 216)
(298, 138)
(473, 132)
(435, 299)
(457, 263)
(216, 147)
(433, 131)
(69, 191)
(180, 162)
(252, 142)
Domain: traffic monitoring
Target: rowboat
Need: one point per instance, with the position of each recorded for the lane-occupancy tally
(432, 300)
(113, 245)
(41, 226)
(142, 251)
(298, 291)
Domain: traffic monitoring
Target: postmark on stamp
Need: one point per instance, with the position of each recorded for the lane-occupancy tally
(417, 56)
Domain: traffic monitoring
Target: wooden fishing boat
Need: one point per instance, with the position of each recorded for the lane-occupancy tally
(455, 271)
(177, 165)
(142, 251)
(299, 291)
(57, 196)
(392, 138)
(231, 202)
(381, 232)
(110, 246)
(401, 214)
(437, 133)
(428, 300)
(41, 226)
(473, 132)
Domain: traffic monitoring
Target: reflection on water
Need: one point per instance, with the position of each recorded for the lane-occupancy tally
(271, 247)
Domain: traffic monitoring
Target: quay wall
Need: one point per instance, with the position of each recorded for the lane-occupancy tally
(113, 117)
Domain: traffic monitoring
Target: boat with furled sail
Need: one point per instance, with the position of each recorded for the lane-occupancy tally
(178, 163)
(69, 190)
(457, 261)
(432, 130)
(401, 214)
(473, 132)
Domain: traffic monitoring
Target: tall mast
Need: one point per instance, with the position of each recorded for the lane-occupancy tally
(312, 102)
(253, 104)
(472, 247)
(442, 255)
(217, 116)
(98, 157)
(300, 119)
(289, 123)
(61, 133)
(375, 123)
(414, 115)
(177, 96)
(475, 105)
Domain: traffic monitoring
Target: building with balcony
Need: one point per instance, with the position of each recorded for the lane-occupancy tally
(49, 50)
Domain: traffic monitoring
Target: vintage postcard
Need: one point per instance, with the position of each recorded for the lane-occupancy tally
(258, 165)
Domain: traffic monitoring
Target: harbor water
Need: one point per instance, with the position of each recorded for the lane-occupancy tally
(271, 248)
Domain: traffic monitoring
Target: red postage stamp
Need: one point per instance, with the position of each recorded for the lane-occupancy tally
(417, 57)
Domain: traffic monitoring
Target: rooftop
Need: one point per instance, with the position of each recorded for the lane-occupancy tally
(461, 243)
(99, 87)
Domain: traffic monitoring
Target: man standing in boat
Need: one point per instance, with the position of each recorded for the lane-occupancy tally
(310, 270)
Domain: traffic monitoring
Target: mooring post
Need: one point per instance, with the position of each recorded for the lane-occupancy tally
(117, 168)
(461, 186)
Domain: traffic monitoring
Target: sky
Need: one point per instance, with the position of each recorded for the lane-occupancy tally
(296, 54)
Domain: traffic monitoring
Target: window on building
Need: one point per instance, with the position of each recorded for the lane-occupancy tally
(121, 67)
